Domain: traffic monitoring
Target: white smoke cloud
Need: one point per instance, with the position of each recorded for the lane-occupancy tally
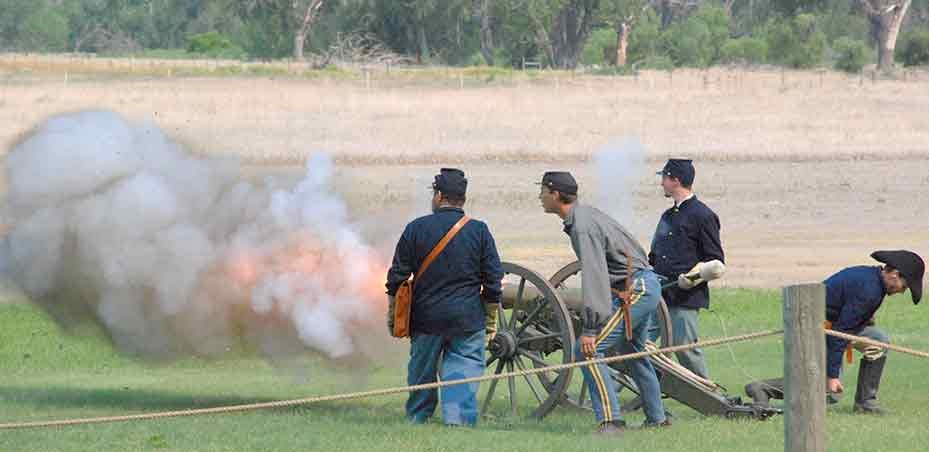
(618, 168)
(173, 255)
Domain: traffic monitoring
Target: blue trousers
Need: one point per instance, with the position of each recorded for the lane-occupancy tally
(460, 357)
(602, 388)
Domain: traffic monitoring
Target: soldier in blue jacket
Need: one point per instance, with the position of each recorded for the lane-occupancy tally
(687, 236)
(450, 302)
(853, 296)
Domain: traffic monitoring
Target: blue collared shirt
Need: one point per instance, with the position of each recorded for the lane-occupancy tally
(686, 234)
(449, 298)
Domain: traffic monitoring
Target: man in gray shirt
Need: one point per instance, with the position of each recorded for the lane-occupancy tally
(616, 313)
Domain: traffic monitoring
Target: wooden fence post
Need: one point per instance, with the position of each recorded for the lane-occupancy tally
(804, 368)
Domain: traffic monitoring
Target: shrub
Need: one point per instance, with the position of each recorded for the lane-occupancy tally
(644, 38)
(914, 48)
(46, 30)
(599, 46)
(657, 63)
(744, 50)
(850, 54)
(795, 43)
(697, 41)
(214, 45)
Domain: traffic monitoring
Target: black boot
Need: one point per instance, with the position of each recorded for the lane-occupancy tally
(762, 391)
(869, 380)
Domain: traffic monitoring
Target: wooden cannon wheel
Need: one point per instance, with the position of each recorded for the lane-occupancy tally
(534, 330)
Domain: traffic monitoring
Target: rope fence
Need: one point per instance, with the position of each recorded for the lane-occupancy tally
(867, 341)
(384, 391)
(440, 384)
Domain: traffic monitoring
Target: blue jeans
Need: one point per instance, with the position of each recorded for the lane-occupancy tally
(602, 388)
(461, 357)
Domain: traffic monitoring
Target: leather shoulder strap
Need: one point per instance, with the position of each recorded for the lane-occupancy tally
(441, 245)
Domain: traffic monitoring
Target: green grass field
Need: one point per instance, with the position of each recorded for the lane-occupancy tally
(45, 374)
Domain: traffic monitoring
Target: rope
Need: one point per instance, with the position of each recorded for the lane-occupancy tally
(384, 391)
(748, 376)
(681, 371)
(867, 341)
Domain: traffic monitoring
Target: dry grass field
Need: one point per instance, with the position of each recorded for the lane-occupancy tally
(808, 171)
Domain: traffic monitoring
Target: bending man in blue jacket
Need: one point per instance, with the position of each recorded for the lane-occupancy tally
(450, 302)
(853, 296)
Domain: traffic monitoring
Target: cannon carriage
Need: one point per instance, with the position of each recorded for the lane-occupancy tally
(537, 326)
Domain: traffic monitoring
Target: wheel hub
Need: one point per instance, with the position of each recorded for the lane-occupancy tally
(504, 345)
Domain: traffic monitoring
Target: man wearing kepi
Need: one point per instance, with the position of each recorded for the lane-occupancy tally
(451, 298)
(853, 296)
(620, 294)
(687, 238)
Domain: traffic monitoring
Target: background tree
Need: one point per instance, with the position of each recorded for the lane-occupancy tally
(885, 18)
(272, 21)
(561, 27)
(482, 13)
(622, 15)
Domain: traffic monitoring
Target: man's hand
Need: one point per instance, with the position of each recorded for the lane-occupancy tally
(703, 272)
(391, 308)
(490, 322)
(685, 283)
(590, 321)
(834, 385)
(589, 346)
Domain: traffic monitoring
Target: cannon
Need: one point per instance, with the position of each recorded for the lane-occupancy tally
(537, 325)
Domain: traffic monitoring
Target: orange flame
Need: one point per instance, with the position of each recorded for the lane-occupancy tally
(303, 254)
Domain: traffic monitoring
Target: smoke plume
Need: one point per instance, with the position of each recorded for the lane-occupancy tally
(114, 224)
(618, 168)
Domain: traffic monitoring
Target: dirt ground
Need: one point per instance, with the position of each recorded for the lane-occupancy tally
(808, 172)
(782, 222)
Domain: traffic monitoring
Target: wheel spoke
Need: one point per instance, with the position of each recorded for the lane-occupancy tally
(535, 359)
(511, 382)
(493, 387)
(526, 340)
(582, 397)
(550, 375)
(519, 299)
(491, 360)
(501, 316)
(528, 378)
(532, 315)
(543, 329)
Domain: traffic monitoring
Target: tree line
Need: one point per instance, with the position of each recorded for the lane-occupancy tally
(556, 33)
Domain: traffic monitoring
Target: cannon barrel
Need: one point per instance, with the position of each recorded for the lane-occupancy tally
(569, 295)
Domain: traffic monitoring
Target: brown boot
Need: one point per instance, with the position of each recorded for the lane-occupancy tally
(662, 424)
(611, 428)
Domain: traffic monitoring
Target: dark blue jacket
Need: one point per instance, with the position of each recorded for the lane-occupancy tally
(449, 298)
(852, 297)
(686, 234)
